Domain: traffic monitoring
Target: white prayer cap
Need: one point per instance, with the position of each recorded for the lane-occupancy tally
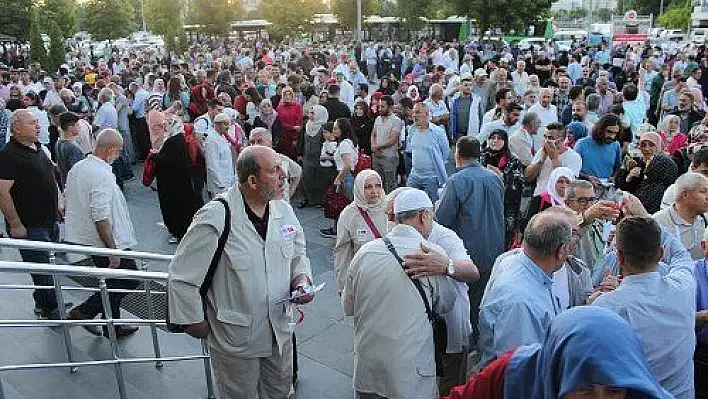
(411, 200)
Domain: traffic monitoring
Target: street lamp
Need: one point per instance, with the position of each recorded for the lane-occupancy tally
(358, 21)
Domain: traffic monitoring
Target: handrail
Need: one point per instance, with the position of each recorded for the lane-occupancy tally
(80, 249)
(64, 270)
(102, 274)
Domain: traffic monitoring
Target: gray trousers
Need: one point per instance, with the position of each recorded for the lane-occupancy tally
(386, 166)
(254, 378)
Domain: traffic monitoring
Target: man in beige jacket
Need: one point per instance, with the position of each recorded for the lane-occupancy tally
(393, 339)
(248, 330)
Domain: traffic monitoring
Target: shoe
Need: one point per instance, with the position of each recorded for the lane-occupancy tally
(328, 233)
(76, 314)
(122, 331)
(53, 313)
(302, 204)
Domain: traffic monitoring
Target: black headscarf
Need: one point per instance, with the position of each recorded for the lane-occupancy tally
(494, 157)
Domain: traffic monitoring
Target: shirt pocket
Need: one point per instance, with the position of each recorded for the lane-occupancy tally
(239, 261)
(236, 326)
(287, 248)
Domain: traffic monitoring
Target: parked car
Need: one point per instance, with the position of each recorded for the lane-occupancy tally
(531, 43)
(699, 36)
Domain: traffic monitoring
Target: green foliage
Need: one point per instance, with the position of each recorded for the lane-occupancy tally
(63, 12)
(293, 19)
(411, 11)
(605, 14)
(15, 18)
(108, 19)
(491, 14)
(38, 53)
(677, 17)
(645, 6)
(57, 50)
(215, 15)
(346, 11)
(164, 17)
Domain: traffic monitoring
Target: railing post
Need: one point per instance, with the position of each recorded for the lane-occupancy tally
(207, 370)
(65, 328)
(2, 391)
(151, 316)
(112, 337)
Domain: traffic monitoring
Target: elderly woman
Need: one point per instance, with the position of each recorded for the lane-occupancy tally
(671, 136)
(157, 95)
(315, 178)
(648, 176)
(498, 158)
(179, 200)
(554, 194)
(579, 358)
(360, 222)
(290, 113)
(574, 132)
(270, 120)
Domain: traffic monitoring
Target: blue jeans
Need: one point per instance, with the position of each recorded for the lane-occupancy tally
(43, 298)
(427, 184)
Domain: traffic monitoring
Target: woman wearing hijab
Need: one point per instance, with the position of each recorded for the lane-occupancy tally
(290, 113)
(363, 123)
(315, 178)
(360, 222)
(589, 352)
(268, 118)
(157, 95)
(498, 158)
(158, 124)
(554, 194)
(648, 176)
(574, 132)
(413, 93)
(178, 198)
(671, 136)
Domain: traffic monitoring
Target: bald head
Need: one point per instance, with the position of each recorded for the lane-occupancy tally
(248, 163)
(24, 127)
(549, 230)
(261, 136)
(107, 138)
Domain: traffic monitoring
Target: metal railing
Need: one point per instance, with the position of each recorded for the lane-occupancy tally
(108, 322)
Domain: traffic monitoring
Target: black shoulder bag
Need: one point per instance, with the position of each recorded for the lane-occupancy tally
(206, 284)
(437, 321)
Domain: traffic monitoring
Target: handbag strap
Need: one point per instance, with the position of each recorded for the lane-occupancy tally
(219, 249)
(416, 282)
(369, 222)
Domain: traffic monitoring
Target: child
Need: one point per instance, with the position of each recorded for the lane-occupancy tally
(329, 147)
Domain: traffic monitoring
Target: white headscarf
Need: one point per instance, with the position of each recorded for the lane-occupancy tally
(553, 179)
(321, 115)
(360, 197)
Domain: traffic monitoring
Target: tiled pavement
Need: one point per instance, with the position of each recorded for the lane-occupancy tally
(325, 338)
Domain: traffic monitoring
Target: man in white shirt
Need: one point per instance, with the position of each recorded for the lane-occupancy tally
(97, 215)
(547, 112)
(520, 78)
(439, 113)
(204, 125)
(526, 141)
(218, 155)
(346, 90)
(552, 155)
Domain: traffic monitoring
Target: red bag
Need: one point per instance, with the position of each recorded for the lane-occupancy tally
(363, 163)
(149, 169)
(334, 202)
(196, 157)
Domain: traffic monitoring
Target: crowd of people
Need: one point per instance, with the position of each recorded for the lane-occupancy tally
(506, 223)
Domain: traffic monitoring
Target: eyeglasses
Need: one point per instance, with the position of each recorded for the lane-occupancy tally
(583, 200)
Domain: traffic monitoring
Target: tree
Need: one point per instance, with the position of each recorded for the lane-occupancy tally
(642, 7)
(214, 15)
(410, 11)
(164, 17)
(63, 12)
(108, 19)
(605, 14)
(678, 16)
(291, 20)
(38, 53)
(491, 14)
(15, 18)
(346, 11)
(57, 50)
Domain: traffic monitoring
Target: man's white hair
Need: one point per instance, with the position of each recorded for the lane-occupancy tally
(688, 182)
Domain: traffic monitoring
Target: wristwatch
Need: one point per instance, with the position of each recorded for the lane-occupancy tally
(450, 268)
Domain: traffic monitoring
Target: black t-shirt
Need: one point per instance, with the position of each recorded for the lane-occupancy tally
(34, 191)
(543, 76)
(260, 224)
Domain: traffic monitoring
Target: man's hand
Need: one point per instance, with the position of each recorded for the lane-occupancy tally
(609, 283)
(631, 206)
(702, 317)
(198, 330)
(18, 231)
(298, 285)
(634, 173)
(113, 262)
(550, 150)
(425, 263)
(604, 210)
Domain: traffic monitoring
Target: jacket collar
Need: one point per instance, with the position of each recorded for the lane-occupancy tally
(235, 197)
